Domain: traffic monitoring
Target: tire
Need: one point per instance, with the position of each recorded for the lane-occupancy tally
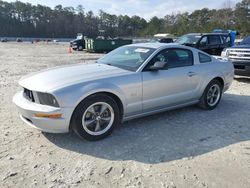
(80, 48)
(95, 117)
(210, 99)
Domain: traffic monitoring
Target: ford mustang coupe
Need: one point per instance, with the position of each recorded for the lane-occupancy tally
(129, 82)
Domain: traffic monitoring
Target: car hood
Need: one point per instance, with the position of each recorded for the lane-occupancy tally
(55, 78)
(242, 46)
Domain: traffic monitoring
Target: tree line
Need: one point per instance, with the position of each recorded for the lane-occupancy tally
(19, 19)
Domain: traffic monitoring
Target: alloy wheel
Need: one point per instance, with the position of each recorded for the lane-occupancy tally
(213, 95)
(98, 118)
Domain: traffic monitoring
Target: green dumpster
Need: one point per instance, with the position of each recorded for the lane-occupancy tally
(106, 45)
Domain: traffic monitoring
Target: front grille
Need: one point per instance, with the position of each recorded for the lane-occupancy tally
(239, 54)
(239, 59)
(240, 51)
(28, 94)
(239, 66)
(40, 98)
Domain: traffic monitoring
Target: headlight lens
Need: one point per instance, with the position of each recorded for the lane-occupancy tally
(224, 52)
(47, 99)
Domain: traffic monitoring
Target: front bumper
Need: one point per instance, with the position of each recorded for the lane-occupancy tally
(27, 109)
(242, 68)
(74, 46)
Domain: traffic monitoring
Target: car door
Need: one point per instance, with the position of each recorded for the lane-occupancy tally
(215, 44)
(173, 85)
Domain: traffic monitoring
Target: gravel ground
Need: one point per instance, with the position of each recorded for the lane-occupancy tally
(188, 147)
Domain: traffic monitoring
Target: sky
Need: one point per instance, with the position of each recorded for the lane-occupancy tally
(144, 8)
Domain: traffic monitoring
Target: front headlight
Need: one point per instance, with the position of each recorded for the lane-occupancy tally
(47, 99)
(224, 52)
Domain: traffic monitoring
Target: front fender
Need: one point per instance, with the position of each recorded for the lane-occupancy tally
(71, 96)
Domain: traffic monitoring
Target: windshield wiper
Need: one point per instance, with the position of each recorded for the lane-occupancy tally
(109, 64)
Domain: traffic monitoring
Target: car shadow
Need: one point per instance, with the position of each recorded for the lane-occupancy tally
(173, 135)
(243, 79)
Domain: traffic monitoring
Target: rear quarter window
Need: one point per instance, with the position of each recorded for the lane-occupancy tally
(204, 58)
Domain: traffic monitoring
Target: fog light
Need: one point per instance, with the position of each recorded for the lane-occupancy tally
(52, 116)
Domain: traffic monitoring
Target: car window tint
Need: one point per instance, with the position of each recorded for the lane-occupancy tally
(204, 58)
(175, 58)
(214, 39)
(184, 58)
(204, 40)
(225, 39)
(228, 40)
(166, 40)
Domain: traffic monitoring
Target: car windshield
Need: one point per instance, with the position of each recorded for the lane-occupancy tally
(127, 57)
(246, 40)
(188, 39)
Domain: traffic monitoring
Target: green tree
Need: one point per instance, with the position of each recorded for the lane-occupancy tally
(25, 20)
(242, 17)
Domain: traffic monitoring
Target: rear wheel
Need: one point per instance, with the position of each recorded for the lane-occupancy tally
(95, 117)
(211, 96)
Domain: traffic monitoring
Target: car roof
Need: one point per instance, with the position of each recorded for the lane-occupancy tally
(201, 34)
(155, 45)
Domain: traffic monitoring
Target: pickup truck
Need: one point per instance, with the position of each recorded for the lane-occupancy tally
(240, 57)
(78, 43)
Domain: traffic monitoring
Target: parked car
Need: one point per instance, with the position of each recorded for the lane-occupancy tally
(78, 43)
(164, 37)
(166, 40)
(19, 40)
(4, 40)
(211, 43)
(240, 56)
(129, 82)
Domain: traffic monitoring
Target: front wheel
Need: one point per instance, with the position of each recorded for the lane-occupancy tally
(95, 117)
(211, 96)
(80, 48)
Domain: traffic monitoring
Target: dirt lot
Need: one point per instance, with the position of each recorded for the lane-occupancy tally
(189, 147)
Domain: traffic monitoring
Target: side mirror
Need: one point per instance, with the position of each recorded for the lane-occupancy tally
(158, 65)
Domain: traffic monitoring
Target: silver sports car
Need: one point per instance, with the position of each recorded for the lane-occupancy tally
(129, 82)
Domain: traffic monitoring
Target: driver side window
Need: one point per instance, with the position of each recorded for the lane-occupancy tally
(204, 41)
(173, 58)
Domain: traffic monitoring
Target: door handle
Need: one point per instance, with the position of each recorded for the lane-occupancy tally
(190, 74)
